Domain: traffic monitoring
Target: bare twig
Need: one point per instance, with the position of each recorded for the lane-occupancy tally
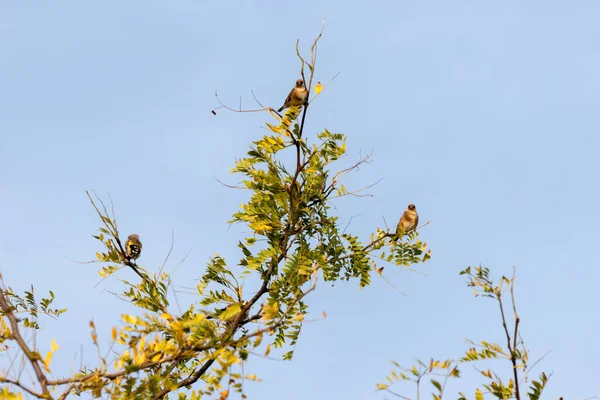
(517, 319)
(230, 186)
(240, 110)
(324, 87)
(388, 282)
(350, 221)
(169, 253)
(312, 72)
(510, 348)
(259, 103)
(533, 365)
(397, 395)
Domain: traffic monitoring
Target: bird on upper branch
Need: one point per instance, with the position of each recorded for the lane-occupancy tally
(408, 222)
(297, 97)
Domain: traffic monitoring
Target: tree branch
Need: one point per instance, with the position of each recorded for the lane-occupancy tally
(21, 386)
(32, 356)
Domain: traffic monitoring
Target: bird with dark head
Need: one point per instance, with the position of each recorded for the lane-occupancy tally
(408, 222)
(297, 97)
(133, 247)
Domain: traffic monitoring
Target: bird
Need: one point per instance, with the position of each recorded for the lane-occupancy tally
(133, 247)
(298, 96)
(408, 222)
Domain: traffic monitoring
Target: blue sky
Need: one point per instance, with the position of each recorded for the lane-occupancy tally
(483, 114)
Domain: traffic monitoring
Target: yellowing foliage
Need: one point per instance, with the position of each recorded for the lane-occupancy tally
(318, 88)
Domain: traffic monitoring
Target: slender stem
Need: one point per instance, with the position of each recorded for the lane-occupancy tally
(512, 297)
(510, 348)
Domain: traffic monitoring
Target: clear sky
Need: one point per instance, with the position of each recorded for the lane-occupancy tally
(483, 114)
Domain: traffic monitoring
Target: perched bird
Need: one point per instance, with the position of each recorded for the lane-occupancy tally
(408, 222)
(133, 247)
(297, 97)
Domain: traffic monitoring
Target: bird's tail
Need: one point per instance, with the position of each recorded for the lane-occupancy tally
(281, 109)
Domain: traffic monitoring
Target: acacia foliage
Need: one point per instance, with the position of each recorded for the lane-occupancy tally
(506, 384)
(294, 240)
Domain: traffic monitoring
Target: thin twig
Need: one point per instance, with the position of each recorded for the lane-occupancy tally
(324, 87)
(534, 364)
(517, 319)
(240, 110)
(510, 349)
(350, 221)
(397, 395)
(253, 95)
(230, 186)
(388, 282)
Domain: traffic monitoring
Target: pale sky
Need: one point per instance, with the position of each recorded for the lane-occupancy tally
(483, 114)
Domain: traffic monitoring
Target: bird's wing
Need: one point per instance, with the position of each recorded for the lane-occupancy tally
(289, 97)
(401, 224)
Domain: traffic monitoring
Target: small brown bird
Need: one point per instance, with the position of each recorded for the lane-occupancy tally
(297, 97)
(133, 247)
(408, 222)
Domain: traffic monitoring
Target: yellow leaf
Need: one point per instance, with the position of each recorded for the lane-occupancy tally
(324, 314)
(478, 395)
(113, 333)
(54, 346)
(47, 360)
(318, 88)
(156, 357)
(268, 351)
(380, 270)
(128, 318)
(231, 311)
(270, 311)
(381, 386)
(166, 316)
(140, 358)
(199, 318)
(299, 317)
